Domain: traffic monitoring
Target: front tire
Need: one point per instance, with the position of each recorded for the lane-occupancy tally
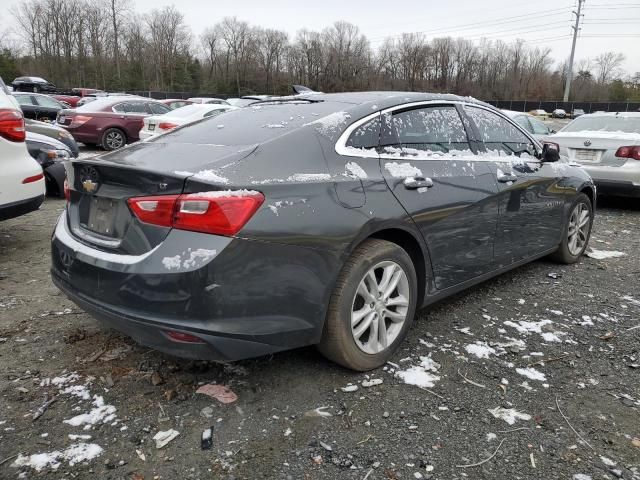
(113, 139)
(576, 232)
(372, 306)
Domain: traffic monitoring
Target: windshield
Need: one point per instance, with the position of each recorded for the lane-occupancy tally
(257, 124)
(607, 123)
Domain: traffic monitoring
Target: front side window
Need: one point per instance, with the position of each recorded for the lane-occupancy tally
(432, 129)
(498, 134)
(524, 123)
(366, 136)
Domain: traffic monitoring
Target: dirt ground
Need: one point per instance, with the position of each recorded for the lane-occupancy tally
(535, 375)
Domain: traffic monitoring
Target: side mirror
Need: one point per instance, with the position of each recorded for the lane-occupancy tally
(552, 131)
(550, 152)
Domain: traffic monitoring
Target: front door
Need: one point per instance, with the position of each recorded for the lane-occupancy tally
(428, 163)
(530, 198)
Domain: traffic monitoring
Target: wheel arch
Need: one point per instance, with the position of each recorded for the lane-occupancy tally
(410, 242)
(589, 191)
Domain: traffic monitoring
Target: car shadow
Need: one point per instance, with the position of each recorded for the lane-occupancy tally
(619, 203)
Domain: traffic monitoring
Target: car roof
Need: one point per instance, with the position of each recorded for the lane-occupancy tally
(513, 113)
(613, 114)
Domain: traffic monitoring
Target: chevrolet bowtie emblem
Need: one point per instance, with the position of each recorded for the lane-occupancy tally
(89, 186)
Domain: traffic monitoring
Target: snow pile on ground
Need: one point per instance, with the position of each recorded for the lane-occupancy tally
(101, 413)
(526, 327)
(76, 453)
(420, 375)
(604, 254)
(480, 349)
(532, 373)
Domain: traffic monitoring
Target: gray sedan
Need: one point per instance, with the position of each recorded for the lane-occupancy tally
(607, 145)
(322, 220)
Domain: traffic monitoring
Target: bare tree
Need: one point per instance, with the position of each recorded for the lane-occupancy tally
(607, 66)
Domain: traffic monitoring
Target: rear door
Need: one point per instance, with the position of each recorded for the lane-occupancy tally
(430, 165)
(134, 114)
(529, 198)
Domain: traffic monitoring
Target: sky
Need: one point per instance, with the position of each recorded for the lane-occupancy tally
(607, 25)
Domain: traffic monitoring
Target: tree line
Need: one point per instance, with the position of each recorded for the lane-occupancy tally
(105, 44)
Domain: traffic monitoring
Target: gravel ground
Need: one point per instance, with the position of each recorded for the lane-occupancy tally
(552, 349)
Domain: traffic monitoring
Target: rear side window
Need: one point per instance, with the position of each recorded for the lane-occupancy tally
(158, 108)
(499, 134)
(25, 100)
(131, 107)
(435, 129)
(49, 102)
(366, 135)
(214, 113)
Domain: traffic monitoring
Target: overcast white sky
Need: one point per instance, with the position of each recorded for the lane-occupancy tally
(539, 22)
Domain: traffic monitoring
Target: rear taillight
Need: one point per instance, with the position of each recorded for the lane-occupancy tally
(220, 213)
(181, 337)
(79, 120)
(34, 178)
(167, 126)
(12, 125)
(629, 152)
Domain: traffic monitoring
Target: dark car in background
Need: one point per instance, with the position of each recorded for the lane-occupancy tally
(76, 95)
(32, 84)
(53, 131)
(110, 122)
(38, 106)
(326, 220)
(50, 154)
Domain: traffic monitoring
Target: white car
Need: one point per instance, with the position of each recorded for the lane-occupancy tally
(559, 113)
(530, 123)
(607, 145)
(157, 124)
(22, 185)
(208, 100)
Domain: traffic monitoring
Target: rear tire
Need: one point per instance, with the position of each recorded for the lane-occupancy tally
(376, 290)
(113, 139)
(576, 231)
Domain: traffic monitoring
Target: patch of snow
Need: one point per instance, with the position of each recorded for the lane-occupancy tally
(80, 391)
(163, 438)
(171, 263)
(616, 135)
(491, 436)
(402, 169)
(607, 461)
(581, 476)
(222, 193)
(355, 170)
(631, 300)
(349, 388)
(532, 373)
(76, 453)
(331, 124)
(509, 415)
(273, 125)
(309, 177)
(480, 349)
(79, 437)
(183, 172)
(372, 383)
(604, 254)
(199, 256)
(210, 176)
(100, 414)
(420, 375)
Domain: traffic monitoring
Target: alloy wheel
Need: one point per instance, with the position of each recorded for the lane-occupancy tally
(578, 232)
(380, 307)
(114, 140)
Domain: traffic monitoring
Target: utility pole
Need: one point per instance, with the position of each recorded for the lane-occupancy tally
(576, 28)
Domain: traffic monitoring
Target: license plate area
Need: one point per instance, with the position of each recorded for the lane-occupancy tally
(583, 155)
(61, 119)
(152, 127)
(102, 215)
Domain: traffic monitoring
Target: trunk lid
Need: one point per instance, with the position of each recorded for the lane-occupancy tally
(98, 212)
(594, 148)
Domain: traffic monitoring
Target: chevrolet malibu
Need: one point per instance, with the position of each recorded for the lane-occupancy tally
(323, 220)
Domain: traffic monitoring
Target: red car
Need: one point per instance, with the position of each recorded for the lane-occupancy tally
(78, 93)
(110, 122)
(174, 103)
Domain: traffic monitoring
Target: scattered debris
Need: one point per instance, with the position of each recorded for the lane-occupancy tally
(43, 408)
(220, 392)
(163, 438)
(156, 379)
(464, 377)
(207, 439)
(483, 461)
(349, 388)
(571, 426)
(326, 446)
(317, 412)
(372, 383)
(509, 415)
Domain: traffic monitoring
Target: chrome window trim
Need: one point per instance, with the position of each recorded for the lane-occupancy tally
(341, 144)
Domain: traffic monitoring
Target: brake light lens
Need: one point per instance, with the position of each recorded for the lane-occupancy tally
(219, 213)
(181, 337)
(67, 191)
(167, 126)
(12, 125)
(632, 151)
(79, 120)
(34, 178)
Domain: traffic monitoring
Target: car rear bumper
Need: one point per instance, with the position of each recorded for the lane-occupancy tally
(623, 180)
(145, 134)
(15, 209)
(253, 298)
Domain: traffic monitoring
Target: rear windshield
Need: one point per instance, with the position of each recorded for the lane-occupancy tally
(261, 123)
(189, 110)
(607, 123)
(98, 104)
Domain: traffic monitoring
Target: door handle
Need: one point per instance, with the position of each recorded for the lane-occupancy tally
(413, 183)
(507, 177)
